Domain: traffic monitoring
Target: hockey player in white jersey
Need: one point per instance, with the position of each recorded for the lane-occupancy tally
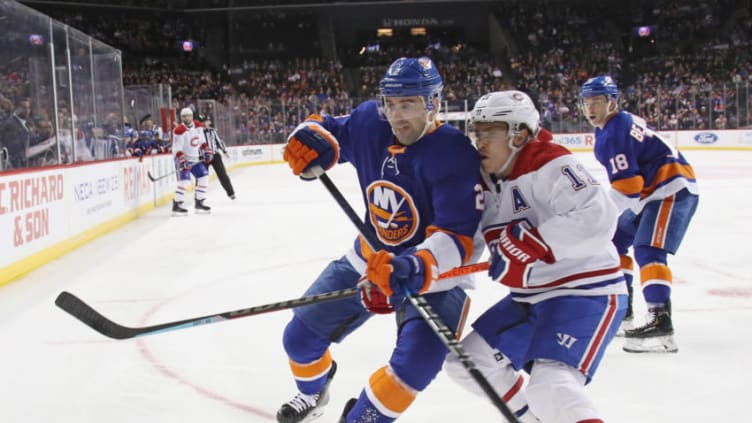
(191, 153)
(548, 226)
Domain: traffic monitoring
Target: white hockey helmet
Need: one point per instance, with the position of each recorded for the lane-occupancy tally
(186, 112)
(512, 107)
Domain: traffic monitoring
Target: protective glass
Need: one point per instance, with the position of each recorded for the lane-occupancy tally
(490, 133)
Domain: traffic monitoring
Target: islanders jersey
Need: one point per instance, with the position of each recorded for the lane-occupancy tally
(145, 146)
(552, 191)
(641, 165)
(188, 140)
(423, 196)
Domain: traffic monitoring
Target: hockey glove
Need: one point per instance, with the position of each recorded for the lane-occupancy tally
(409, 273)
(206, 153)
(181, 163)
(512, 258)
(374, 300)
(310, 144)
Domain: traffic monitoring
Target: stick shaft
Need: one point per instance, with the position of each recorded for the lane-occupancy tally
(77, 308)
(155, 179)
(442, 331)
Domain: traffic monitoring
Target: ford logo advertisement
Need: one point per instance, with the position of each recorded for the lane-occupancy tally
(706, 138)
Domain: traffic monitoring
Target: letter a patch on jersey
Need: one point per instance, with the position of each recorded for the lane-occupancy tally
(519, 201)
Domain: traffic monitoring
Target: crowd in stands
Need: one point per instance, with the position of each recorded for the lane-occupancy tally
(690, 72)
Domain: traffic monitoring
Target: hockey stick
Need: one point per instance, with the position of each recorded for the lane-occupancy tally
(445, 334)
(77, 308)
(153, 179)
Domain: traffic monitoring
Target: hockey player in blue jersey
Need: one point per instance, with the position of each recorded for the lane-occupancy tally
(421, 189)
(147, 142)
(655, 190)
(548, 226)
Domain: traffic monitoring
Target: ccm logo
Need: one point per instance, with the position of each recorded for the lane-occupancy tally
(706, 138)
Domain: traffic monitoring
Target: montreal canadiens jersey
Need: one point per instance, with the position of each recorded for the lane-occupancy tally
(188, 140)
(423, 196)
(552, 191)
(641, 166)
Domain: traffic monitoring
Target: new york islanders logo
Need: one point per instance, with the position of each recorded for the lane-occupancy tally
(392, 212)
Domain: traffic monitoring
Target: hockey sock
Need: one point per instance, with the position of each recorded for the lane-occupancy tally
(365, 411)
(310, 360)
(655, 275)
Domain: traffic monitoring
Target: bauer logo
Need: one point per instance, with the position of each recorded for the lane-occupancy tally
(392, 212)
(706, 138)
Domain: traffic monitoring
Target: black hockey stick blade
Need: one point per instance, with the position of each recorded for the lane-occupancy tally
(92, 318)
(77, 308)
(95, 320)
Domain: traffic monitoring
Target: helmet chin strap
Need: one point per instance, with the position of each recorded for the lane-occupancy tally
(513, 155)
(429, 120)
(506, 164)
(428, 124)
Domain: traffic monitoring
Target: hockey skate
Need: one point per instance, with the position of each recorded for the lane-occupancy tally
(656, 336)
(628, 322)
(305, 408)
(177, 209)
(201, 207)
(349, 406)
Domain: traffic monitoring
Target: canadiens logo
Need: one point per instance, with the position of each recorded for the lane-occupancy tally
(392, 212)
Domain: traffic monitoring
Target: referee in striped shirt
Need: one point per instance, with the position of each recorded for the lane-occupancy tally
(217, 145)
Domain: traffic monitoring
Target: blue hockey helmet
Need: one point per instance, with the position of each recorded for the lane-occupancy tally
(409, 76)
(599, 85)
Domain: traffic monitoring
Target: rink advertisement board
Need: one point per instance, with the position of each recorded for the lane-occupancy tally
(32, 212)
(575, 142)
(45, 213)
(736, 139)
(733, 139)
